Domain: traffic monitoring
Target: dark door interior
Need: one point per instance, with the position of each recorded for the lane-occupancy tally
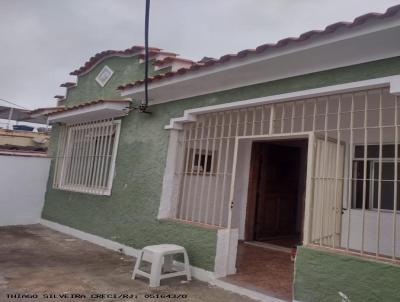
(276, 189)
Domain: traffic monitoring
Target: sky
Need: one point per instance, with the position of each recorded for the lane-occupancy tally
(42, 41)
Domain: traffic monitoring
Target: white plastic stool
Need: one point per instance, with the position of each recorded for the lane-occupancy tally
(156, 255)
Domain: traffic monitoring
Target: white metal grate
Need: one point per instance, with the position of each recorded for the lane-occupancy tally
(86, 156)
(353, 189)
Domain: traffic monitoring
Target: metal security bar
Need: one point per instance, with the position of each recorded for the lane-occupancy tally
(208, 152)
(86, 156)
(354, 183)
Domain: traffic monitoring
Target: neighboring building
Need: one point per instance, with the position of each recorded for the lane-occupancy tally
(20, 139)
(23, 138)
(289, 143)
(23, 142)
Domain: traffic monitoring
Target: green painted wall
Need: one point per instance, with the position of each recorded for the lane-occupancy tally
(129, 214)
(320, 275)
(126, 69)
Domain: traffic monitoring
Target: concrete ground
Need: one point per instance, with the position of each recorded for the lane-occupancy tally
(45, 265)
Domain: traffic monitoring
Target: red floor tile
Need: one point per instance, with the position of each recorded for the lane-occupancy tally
(264, 270)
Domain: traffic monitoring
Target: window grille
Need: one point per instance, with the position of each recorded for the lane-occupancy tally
(86, 156)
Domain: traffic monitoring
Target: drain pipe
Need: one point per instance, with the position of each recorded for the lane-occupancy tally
(143, 106)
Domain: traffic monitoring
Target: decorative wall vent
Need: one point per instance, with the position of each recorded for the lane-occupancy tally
(104, 76)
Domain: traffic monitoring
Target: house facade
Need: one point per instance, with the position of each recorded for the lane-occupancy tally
(294, 142)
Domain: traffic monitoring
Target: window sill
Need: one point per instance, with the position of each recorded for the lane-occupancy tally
(84, 190)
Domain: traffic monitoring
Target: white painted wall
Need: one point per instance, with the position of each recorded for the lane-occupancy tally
(370, 231)
(23, 182)
(225, 258)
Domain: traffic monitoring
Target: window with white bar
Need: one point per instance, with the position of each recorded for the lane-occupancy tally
(86, 157)
(372, 178)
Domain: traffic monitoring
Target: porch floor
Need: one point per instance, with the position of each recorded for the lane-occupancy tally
(265, 270)
(37, 260)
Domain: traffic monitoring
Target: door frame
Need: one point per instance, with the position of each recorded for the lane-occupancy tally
(308, 192)
(252, 187)
(309, 172)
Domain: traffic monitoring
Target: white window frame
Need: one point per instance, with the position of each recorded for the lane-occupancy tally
(372, 188)
(373, 161)
(64, 159)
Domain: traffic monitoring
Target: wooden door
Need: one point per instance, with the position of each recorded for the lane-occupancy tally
(274, 184)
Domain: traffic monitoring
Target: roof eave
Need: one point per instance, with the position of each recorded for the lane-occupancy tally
(91, 111)
(368, 27)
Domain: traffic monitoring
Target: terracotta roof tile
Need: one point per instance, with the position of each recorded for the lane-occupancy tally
(265, 47)
(37, 110)
(206, 59)
(168, 60)
(68, 84)
(15, 150)
(97, 58)
(153, 53)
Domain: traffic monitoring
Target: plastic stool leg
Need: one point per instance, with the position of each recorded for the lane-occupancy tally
(187, 266)
(137, 264)
(155, 271)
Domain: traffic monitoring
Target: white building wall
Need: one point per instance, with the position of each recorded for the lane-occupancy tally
(370, 232)
(23, 183)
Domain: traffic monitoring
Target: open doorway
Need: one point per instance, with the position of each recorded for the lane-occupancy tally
(275, 203)
(274, 217)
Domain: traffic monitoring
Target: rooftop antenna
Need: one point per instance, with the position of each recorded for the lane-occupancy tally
(143, 106)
